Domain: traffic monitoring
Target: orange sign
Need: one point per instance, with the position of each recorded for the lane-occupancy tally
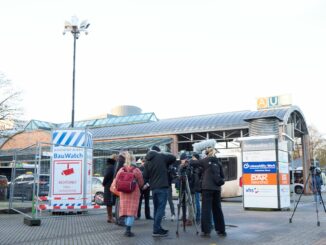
(259, 179)
(284, 179)
(262, 103)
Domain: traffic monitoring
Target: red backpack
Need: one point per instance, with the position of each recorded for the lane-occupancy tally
(126, 181)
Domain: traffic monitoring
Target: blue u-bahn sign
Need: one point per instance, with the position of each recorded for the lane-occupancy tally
(259, 167)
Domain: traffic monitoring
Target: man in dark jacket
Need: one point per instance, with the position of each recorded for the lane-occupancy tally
(156, 174)
(211, 193)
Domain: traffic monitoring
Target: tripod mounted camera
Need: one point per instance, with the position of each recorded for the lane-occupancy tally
(313, 173)
(185, 199)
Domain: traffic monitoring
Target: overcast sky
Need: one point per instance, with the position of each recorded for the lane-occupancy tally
(175, 58)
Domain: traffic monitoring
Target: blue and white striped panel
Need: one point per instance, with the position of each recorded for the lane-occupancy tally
(73, 138)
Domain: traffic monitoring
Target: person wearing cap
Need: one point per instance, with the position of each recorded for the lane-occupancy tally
(211, 193)
(156, 175)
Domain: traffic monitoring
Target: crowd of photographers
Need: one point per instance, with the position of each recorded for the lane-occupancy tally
(197, 178)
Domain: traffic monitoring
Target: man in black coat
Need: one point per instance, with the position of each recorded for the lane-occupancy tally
(156, 174)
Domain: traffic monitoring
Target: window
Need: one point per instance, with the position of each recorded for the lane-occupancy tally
(229, 168)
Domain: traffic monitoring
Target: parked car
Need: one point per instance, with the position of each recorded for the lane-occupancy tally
(23, 186)
(97, 190)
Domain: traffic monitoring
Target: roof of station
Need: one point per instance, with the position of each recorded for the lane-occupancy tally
(202, 123)
(147, 124)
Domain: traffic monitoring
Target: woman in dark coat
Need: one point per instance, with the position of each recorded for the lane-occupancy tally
(109, 198)
(211, 193)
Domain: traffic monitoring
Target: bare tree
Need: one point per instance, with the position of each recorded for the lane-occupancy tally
(10, 110)
(317, 145)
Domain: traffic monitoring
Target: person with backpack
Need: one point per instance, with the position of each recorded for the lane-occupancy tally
(117, 166)
(129, 181)
(156, 174)
(213, 179)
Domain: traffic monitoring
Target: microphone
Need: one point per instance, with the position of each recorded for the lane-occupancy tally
(203, 145)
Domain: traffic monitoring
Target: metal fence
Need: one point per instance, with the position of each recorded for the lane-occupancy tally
(30, 192)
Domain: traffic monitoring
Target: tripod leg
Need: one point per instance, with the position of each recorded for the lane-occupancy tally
(191, 204)
(305, 184)
(318, 223)
(321, 200)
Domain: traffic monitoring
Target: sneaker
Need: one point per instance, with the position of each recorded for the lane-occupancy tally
(220, 233)
(173, 217)
(159, 234)
(164, 231)
(205, 235)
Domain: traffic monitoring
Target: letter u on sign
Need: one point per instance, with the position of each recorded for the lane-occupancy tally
(273, 101)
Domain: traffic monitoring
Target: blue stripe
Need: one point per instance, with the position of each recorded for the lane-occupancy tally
(70, 138)
(54, 135)
(61, 138)
(78, 139)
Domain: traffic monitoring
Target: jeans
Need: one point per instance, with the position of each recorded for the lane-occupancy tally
(160, 197)
(129, 220)
(170, 200)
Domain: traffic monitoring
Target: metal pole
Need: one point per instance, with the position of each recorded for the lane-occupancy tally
(73, 81)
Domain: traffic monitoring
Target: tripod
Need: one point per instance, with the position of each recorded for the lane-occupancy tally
(184, 199)
(317, 193)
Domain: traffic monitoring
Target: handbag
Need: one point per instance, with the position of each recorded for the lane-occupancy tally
(113, 188)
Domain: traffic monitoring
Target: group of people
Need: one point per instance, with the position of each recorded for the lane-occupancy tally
(154, 175)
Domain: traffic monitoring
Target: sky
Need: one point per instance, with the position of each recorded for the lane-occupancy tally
(172, 57)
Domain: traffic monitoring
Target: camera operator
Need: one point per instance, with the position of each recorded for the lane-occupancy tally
(213, 178)
(316, 182)
(186, 170)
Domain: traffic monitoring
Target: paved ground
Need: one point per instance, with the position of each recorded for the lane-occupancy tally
(243, 227)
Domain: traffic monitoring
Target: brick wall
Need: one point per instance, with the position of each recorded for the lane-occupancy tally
(25, 139)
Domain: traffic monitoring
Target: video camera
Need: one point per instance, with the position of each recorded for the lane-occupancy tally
(315, 170)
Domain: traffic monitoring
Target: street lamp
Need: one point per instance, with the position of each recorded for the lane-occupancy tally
(72, 27)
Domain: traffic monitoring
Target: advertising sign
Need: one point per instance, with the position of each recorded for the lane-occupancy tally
(71, 168)
(265, 174)
(259, 167)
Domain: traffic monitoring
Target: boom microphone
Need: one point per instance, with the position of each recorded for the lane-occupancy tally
(203, 145)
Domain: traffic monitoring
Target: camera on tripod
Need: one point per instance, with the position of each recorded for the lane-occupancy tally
(314, 170)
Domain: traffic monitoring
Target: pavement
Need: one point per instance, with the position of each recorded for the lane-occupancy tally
(242, 227)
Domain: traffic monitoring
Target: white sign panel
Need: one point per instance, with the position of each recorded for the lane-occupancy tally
(259, 156)
(257, 196)
(67, 178)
